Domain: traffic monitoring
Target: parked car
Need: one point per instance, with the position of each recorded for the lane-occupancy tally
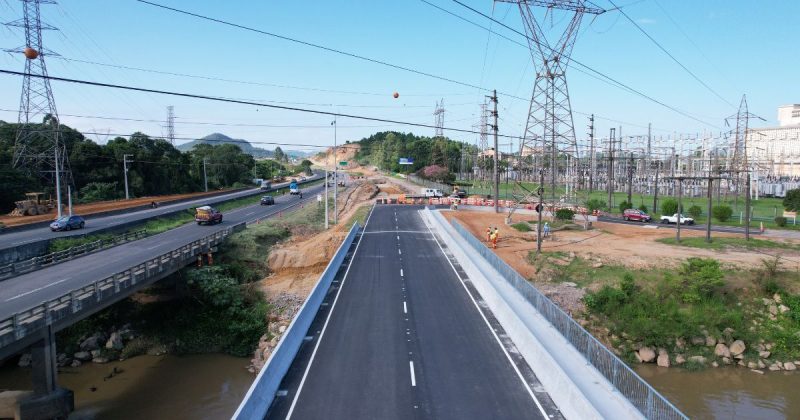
(207, 215)
(636, 215)
(267, 200)
(675, 217)
(67, 223)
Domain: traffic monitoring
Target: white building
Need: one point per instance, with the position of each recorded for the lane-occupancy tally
(776, 150)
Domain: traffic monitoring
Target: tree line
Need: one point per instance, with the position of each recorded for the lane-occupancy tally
(384, 150)
(157, 167)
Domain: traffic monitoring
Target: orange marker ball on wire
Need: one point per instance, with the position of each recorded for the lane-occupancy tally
(30, 53)
(396, 95)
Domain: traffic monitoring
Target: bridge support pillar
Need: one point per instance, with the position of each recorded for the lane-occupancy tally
(48, 401)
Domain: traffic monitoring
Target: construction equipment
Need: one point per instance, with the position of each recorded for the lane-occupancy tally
(34, 204)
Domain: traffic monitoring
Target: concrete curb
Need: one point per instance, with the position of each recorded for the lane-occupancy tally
(576, 387)
(259, 397)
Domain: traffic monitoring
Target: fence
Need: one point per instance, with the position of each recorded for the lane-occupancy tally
(261, 393)
(105, 291)
(430, 184)
(36, 263)
(646, 399)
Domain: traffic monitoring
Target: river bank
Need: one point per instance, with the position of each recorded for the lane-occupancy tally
(727, 393)
(167, 386)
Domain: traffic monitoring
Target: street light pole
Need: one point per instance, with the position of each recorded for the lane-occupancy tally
(335, 175)
(125, 162)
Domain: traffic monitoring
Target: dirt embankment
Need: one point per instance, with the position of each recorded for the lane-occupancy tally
(345, 152)
(631, 246)
(99, 207)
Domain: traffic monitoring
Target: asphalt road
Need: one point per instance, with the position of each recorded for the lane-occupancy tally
(15, 238)
(404, 339)
(28, 290)
(701, 227)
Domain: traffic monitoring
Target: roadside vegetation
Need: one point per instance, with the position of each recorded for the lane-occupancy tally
(699, 314)
(729, 243)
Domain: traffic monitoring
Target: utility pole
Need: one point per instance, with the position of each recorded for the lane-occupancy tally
(708, 216)
(540, 191)
(630, 178)
(610, 185)
(335, 175)
(747, 207)
(496, 178)
(655, 190)
(680, 209)
(125, 163)
(591, 154)
(205, 174)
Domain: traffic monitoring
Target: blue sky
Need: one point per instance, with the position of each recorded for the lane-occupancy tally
(735, 47)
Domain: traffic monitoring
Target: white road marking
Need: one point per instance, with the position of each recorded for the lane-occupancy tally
(153, 247)
(398, 237)
(401, 272)
(325, 326)
(413, 377)
(399, 251)
(405, 308)
(37, 289)
(248, 214)
(499, 343)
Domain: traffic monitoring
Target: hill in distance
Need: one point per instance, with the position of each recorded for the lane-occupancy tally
(246, 146)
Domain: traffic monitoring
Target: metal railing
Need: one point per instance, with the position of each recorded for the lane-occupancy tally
(646, 399)
(36, 263)
(99, 292)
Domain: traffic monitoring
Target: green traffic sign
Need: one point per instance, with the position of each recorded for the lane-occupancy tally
(343, 163)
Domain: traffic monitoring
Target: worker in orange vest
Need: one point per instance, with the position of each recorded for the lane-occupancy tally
(488, 234)
(495, 236)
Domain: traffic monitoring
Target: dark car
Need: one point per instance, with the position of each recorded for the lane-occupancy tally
(636, 215)
(267, 200)
(67, 223)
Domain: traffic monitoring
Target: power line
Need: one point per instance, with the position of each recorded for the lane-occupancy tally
(573, 60)
(672, 56)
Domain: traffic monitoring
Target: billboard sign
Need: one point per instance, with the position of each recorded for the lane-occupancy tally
(406, 161)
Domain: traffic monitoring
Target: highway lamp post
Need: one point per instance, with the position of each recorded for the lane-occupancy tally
(58, 180)
(125, 162)
(335, 173)
(205, 175)
(540, 191)
(680, 211)
(747, 208)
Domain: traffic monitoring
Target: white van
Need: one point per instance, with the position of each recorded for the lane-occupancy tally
(431, 192)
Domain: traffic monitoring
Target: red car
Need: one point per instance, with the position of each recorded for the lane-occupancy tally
(636, 215)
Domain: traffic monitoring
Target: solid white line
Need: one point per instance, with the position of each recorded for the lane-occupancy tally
(499, 343)
(413, 378)
(325, 326)
(405, 308)
(37, 289)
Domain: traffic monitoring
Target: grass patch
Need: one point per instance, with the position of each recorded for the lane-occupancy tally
(522, 227)
(729, 243)
(62, 244)
(359, 216)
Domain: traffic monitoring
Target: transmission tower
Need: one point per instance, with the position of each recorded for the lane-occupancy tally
(738, 162)
(37, 145)
(550, 129)
(171, 124)
(438, 114)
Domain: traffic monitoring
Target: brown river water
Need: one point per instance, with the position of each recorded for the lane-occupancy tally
(728, 393)
(208, 386)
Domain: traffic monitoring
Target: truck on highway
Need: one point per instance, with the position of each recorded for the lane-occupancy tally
(431, 192)
(265, 185)
(675, 217)
(294, 189)
(207, 215)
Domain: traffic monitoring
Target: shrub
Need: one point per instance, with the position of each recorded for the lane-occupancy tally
(780, 221)
(98, 191)
(522, 227)
(792, 200)
(695, 211)
(701, 279)
(669, 206)
(643, 208)
(595, 204)
(722, 213)
(565, 214)
(624, 206)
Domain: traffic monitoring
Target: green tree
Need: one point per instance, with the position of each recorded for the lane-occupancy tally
(669, 207)
(792, 200)
(625, 206)
(595, 204)
(722, 213)
(695, 211)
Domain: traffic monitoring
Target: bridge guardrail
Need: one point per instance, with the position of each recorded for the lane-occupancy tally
(259, 397)
(643, 396)
(29, 321)
(36, 263)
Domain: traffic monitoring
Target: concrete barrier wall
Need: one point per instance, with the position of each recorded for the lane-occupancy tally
(261, 393)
